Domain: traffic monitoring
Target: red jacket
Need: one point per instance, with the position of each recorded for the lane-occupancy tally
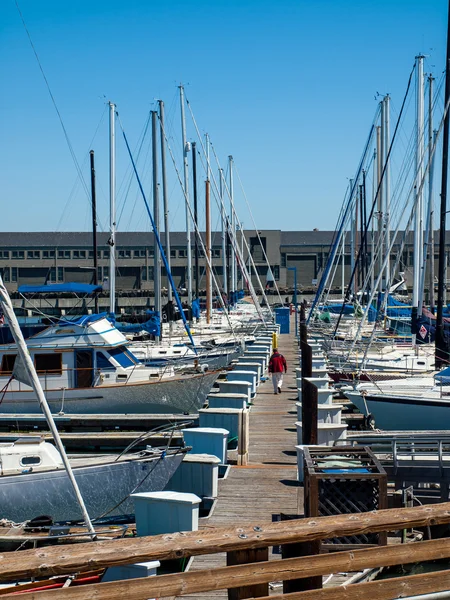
(277, 363)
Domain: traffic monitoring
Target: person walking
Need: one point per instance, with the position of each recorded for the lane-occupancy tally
(277, 365)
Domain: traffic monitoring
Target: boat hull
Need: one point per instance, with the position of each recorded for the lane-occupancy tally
(404, 414)
(103, 487)
(184, 395)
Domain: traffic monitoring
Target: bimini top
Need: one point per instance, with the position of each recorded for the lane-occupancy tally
(88, 332)
(60, 288)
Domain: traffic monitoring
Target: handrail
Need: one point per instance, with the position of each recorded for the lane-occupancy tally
(49, 561)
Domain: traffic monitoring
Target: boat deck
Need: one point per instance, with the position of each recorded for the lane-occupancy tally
(267, 486)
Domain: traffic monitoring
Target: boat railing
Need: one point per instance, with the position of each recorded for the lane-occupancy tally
(250, 567)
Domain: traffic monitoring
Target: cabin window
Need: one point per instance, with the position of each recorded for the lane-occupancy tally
(122, 356)
(420, 362)
(8, 361)
(103, 362)
(26, 461)
(50, 364)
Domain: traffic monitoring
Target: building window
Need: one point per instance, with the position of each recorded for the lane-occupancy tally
(105, 253)
(182, 253)
(48, 254)
(139, 253)
(143, 273)
(18, 254)
(50, 364)
(60, 273)
(151, 252)
(63, 253)
(14, 274)
(99, 273)
(283, 260)
(79, 254)
(151, 274)
(276, 272)
(124, 253)
(6, 277)
(173, 253)
(215, 252)
(91, 254)
(4, 253)
(8, 361)
(33, 254)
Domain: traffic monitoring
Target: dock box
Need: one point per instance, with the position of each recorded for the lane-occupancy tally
(165, 512)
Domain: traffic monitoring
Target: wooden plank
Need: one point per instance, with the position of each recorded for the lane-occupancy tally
(42, 562)
(398, 587)
(261, 573)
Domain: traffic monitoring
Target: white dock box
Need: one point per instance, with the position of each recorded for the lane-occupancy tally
(165, 512)
(327, 433)
(249, 376)
(198, 474)
(236, 387)
(229, 419)
(207, 440)
(222, 400)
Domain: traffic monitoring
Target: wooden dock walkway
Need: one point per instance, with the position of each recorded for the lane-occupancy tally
(268, 484)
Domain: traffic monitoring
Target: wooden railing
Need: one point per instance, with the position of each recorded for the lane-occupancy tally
(250, 571)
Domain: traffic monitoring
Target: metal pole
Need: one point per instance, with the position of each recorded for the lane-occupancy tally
(165, 199)
(194, 185)
(233, 228)
(374, 191)
(430, 188)
(112, 209)
(379, 204)
(94, 227)
(157, 254)
(224, 235)
(186, 148)
(418, 220)
(8, 311)
(208, 236)
(387, 180)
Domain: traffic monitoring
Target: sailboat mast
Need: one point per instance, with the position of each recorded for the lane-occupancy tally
(418, 220)
(387, 182)
(165, 199)
(156, 253)
(196, 252)
(94, 227)
(441, 354)
(233, 228)
(208, 236)
(224, 235)
(112, 208)
(186, 148)
(430, 189)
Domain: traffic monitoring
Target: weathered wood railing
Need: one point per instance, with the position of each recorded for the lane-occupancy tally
(251, 579)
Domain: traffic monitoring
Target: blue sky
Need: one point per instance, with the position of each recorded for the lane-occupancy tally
(286, 87)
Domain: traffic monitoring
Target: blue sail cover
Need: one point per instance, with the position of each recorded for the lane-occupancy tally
(196, 308)
(152, 325)
(335, 309)
(395, 308)
(60, 288)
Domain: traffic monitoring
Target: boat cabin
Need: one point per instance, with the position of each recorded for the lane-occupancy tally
(26, 455)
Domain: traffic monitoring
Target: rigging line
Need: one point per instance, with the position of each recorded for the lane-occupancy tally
(72, 193)
(197, 231)
(259, 237)
(144, 134)
(66, 135)
(380, 183)
(157, 238)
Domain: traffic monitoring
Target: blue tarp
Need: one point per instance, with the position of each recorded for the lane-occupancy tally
(152, 325)
(60, 288)
(395, 308)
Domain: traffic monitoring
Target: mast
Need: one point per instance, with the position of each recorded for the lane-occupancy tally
(418, 220)
(208, 236)
(112, 208)
(379, 204)
(165, 199)
(186, 149)
(441, 354)
(94, 227)
(224, 235)
(430, 188)
(34, 382)
(387, 182)
(233, 229)
(194, 177)
(156, 253)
